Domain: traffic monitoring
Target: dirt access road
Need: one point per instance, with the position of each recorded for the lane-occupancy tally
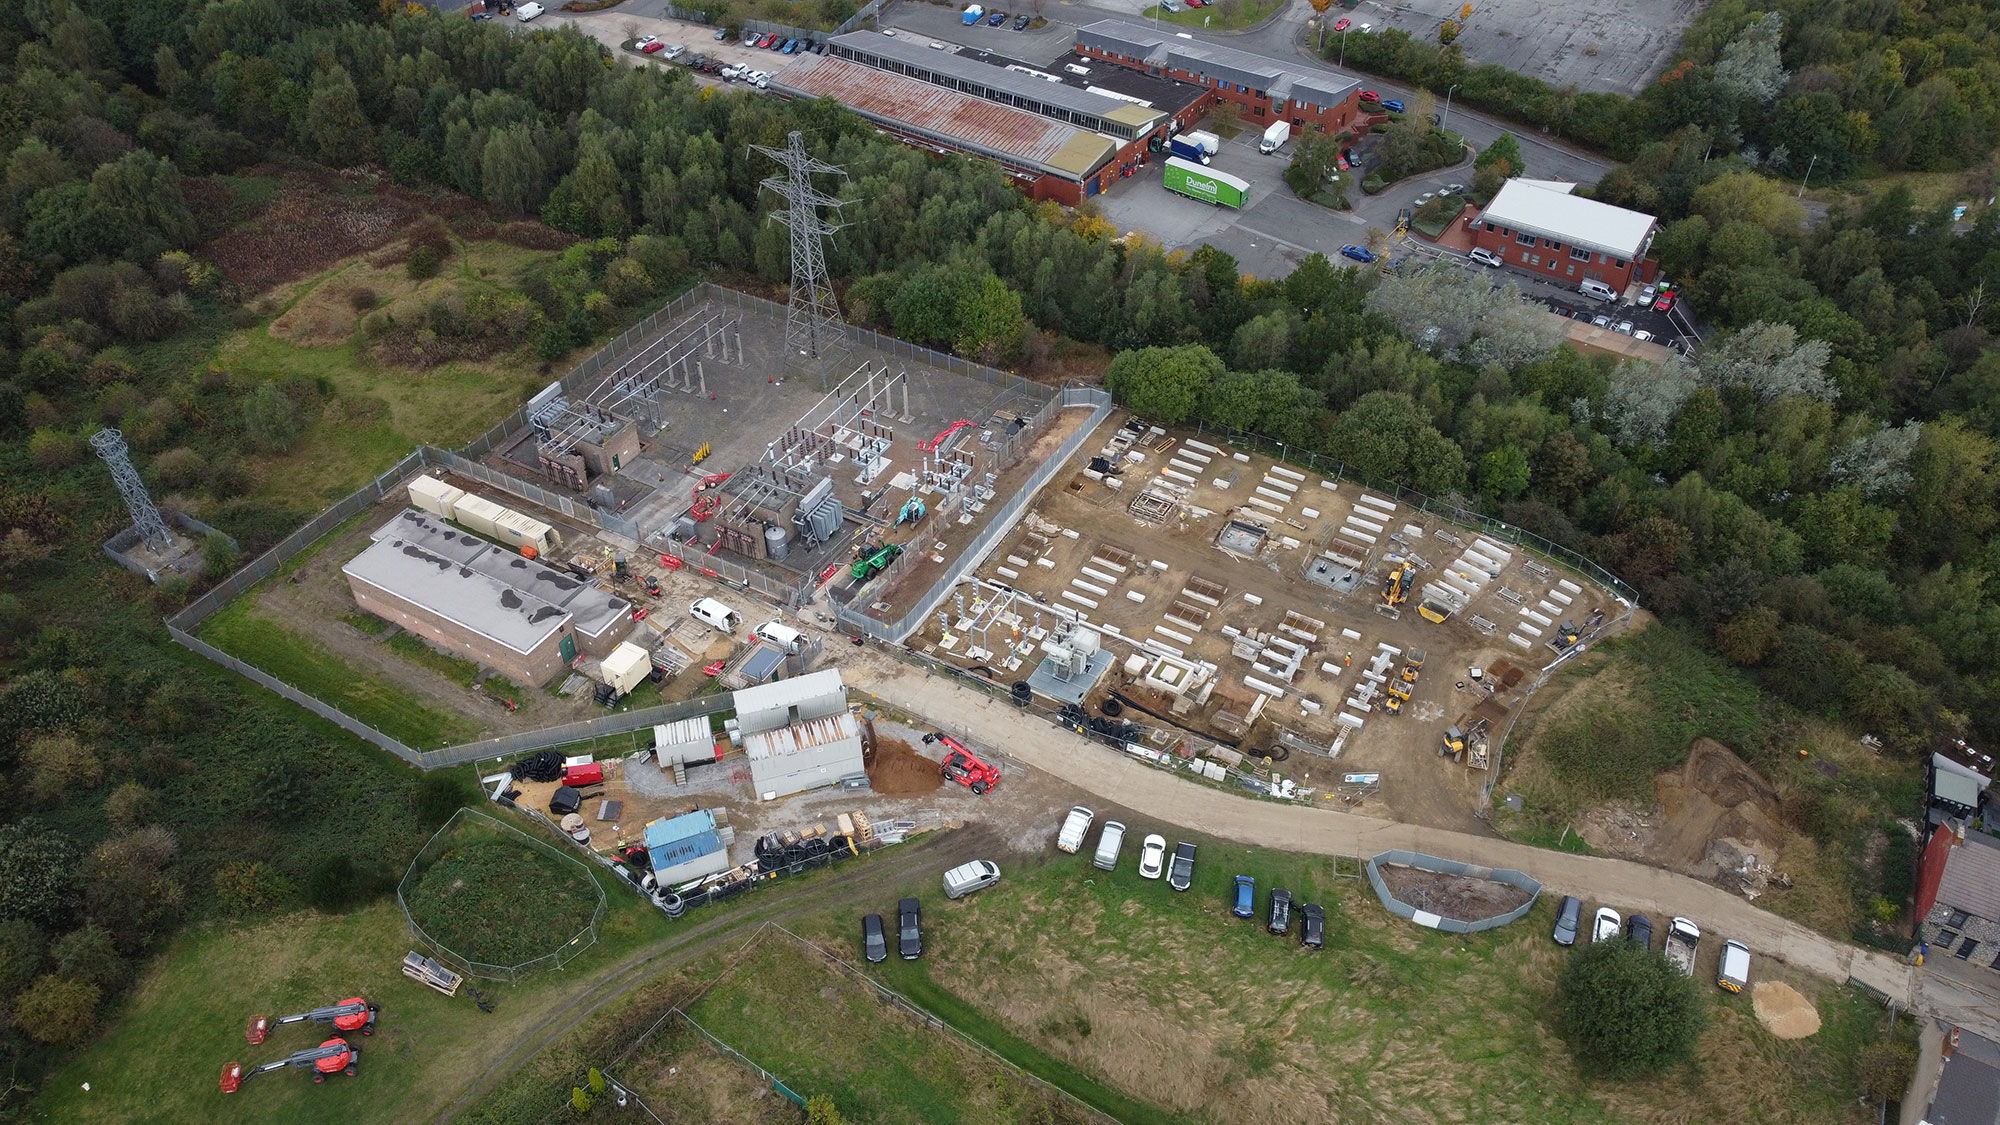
(1632, 886)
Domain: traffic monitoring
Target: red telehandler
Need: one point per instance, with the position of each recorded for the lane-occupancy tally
(963, 766)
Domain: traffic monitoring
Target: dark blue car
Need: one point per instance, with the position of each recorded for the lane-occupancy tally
(1246, 897)
(996, 19)
(1358, 253)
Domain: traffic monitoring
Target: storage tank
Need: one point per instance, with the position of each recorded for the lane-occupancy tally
(434, 496)
(627, 667)
(517, 530)
(774, 542)
(479, 514)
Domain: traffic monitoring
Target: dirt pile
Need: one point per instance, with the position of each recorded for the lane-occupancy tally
(1453, 896)
(1716, 819)
(1782, 1011)
(895, 770)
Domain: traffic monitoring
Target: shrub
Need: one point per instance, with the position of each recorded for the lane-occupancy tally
(88, 955)
(54, 1010)
(55, 449)
(181, 467)
(361, 299)
(1627, 1011)
(21, 946)
(423, 264)
(441, 794)
(245, 888)
(59, 766)
(218, 555)
(131, 804)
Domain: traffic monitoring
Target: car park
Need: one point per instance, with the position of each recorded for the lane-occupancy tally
(1605, 926)
(769, 40)
(1280, 919)
(1486, 257)
(1245, 905)
(1358, 253)
(1152, 856)
(1642, 334)
(1022, 21)
(1342, 25)
(1312, 926)
(791, 47)
(1181, 875)
(1624, 328)
(1569, 916)
(1393, 106)
(910, 929)
(996, 19)
(1639, 931)
(874, 944)
(1600, 321)
(750, 39)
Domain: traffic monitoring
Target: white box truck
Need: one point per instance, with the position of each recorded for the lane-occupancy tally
(1275, 137)
(1195, 145)
(1074, 829)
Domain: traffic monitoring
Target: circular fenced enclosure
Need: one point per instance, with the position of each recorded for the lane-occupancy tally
(1445, 894)
(494, 902)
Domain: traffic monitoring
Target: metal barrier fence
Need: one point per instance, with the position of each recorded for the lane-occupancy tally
(777, 1084)
(1425, 917)
(583, 730)
(998, 525)
(741, 577)
(468, 822)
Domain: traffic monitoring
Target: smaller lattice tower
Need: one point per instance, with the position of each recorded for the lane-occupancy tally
(812, 325)
(146, 519)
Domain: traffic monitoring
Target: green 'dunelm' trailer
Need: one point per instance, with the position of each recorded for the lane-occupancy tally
(1206, 184)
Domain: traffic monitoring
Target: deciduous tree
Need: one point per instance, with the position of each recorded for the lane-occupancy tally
(1627, 1011)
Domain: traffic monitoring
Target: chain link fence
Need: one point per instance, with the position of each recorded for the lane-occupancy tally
(466, 826)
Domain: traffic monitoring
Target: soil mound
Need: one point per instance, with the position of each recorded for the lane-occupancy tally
(1714, 815)
(1452, 896)
(1782, 1011)
(895, 770)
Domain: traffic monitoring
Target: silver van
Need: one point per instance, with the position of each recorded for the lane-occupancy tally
(969, 877)
(1599, 290)
(1108, 844)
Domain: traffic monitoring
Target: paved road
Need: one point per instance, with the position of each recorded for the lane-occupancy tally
(1633, 886)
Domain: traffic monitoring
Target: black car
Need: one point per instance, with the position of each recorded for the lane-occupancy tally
(874, 945)
(1312, 925)
(1281, 911)
(910, 929)
(1180, 876)
(1639, 931)
(1022, 21)
(1569, 916)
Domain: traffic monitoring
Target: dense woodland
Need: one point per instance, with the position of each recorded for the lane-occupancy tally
(1813, 495)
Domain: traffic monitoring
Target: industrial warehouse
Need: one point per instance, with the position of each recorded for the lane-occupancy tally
(1069, 131)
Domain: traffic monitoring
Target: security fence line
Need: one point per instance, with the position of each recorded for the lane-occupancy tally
(438, 844)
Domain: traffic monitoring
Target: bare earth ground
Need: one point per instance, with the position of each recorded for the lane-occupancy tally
(1452, 896)
(895, 770)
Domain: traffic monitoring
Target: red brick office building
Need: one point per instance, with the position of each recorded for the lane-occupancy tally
(1540, 226)
(1266, 90)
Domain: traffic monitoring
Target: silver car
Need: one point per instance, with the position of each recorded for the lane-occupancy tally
(1624, 328)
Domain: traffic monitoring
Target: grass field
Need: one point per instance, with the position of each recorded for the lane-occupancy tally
(821, 1030)
(498, 901)
(238, 630)
(162, 1054)
(414, 650)
(1074, 973)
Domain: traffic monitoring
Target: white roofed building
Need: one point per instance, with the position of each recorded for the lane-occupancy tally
(1544, 227)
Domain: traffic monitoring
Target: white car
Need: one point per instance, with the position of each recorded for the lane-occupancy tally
(1152, 857)
(528, 11)
(1606, 926)
(1454, 189)
(673, 51)
(729, 73)
(1486, 257)
(1642, 334)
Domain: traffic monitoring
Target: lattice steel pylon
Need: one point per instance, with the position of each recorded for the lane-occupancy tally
(146, 519)
(812, 325)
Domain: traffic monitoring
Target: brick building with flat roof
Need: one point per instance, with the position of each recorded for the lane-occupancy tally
(514, 615)
(1268, 90)
(1540, 225)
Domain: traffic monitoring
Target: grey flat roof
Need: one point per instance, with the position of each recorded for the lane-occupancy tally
(1106, 81)
(1275, 78)
(480, 586)
(457, 593)
(993, 82)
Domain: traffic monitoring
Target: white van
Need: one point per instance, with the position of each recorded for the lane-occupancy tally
(788, 639)
(528, 11)
(1108, 844)
(714, 613)
(1598, 290)
(1733, 970)
(969, 877)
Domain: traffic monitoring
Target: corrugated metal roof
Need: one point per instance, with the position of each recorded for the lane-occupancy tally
(1529, 207)
(666, 830)
(674, 854)
(1049, 97)
(1971, 880)
(809, 735)
(954, 119)
(791, 693)
(683, 733)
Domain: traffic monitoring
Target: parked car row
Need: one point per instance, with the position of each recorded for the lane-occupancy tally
(1278, 912)
(1179, 871)
(771, 41)
(1678, 946)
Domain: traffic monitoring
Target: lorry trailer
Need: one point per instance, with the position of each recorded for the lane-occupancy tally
(1196, 182)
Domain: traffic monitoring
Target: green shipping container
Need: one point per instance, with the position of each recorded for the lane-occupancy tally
(1206, 184)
